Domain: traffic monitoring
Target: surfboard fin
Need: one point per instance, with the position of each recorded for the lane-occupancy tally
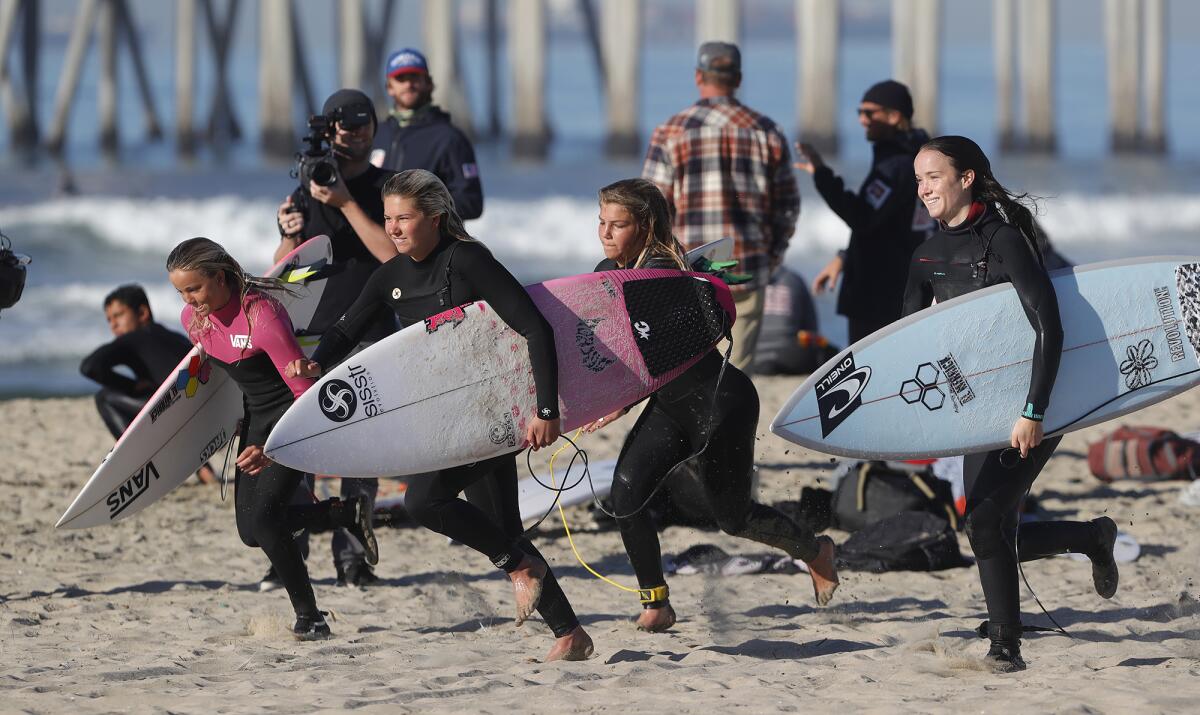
(302, 273)
(720, 269)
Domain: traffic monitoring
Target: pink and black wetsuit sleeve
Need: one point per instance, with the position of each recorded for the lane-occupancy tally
(254, 344)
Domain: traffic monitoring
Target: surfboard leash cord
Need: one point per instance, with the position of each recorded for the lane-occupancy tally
(587, 474)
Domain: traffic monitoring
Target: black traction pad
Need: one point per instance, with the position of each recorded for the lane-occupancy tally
(1187, 280)
(673, 319)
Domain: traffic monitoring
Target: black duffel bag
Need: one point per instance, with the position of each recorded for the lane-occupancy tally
(877, 490)
(908, 541)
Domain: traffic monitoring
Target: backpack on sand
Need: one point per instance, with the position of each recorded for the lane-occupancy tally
(908, 541)
(1143, 452)
(876, 490)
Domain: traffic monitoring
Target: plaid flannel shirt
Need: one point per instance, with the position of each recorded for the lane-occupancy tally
(726, 171)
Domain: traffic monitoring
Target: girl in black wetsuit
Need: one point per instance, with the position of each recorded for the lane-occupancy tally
(441, 267)
(635, 232)
(986, 236)
(247, 333)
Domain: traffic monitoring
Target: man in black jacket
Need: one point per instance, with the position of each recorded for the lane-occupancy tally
(350, 212)
(419, 135)
(885, 218)
(147, 349)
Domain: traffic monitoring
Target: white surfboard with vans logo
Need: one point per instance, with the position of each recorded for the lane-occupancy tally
(191, 416)
(952, 379)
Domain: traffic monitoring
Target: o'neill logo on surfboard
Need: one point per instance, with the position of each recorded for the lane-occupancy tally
(337, 401)
(839, 393)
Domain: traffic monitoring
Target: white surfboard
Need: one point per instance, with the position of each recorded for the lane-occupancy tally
(715, 251)
(952, 379)
(458, 387)
(191, 416)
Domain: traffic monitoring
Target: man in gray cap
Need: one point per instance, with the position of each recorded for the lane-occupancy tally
(885, 218)
(726, 171)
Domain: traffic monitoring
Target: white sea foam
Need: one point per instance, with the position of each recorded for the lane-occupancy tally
(555, 227)
(557, 234)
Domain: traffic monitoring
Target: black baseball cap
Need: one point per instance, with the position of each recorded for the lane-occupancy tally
(353, 108)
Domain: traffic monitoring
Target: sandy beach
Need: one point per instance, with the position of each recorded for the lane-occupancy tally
(161, 612)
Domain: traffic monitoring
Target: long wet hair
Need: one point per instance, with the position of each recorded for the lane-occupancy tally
(650, 211)
(210, 259)
(1016, 209)
(432, 199)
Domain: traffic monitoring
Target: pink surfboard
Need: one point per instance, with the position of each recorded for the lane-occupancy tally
(458, 387)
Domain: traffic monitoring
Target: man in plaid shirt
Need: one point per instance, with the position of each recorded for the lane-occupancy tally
(726, 171)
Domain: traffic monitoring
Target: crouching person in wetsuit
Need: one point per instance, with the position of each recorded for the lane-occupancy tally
(149, 350)
(985, 236)
(440, 267)
(702, 409)
(247, 333)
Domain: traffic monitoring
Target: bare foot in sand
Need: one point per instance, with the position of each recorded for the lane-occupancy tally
(824, 571)
(206, 475)
(576, 645)
(656, 620)
(527, 585)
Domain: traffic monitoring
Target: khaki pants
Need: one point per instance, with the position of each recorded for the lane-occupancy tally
(749, 306)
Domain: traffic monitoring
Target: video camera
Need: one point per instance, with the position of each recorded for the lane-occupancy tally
(317, 162)
(12, 273)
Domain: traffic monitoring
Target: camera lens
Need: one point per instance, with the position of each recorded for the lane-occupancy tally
(323, 173)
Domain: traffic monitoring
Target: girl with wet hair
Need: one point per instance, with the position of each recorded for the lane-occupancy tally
(683, 418)
(986, 235)
(244, 331)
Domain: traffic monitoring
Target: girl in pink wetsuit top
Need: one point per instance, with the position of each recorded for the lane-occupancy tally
(248, 334)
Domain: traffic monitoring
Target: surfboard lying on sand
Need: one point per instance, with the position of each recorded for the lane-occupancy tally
(191, 416)
(458, 387)
(952, 379)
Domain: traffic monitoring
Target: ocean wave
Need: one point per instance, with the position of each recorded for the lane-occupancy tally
(56, 322)
(556, 227)
(544, 237)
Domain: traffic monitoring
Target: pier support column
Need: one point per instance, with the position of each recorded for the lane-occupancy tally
(1002, 44)
(621, 34)
(527, 49)
(441, 50)
(185, 75)
(1122, 32)
(718, 20)
(1154, 30)
(276, 78)
(818, 32)
(1035, 55)
(916, 55)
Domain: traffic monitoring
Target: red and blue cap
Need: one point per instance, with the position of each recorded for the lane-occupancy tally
(406, 61)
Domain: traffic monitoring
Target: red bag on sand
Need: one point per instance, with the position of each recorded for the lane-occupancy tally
(1144, 452)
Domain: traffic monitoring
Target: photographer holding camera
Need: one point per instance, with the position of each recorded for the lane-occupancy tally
(340, 196)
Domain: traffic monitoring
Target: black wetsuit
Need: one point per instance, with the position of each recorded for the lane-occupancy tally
(151, 352)
(985, 250)
(456, 273)
(674, 425)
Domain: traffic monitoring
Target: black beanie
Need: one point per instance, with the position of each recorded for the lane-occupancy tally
(891, 94)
